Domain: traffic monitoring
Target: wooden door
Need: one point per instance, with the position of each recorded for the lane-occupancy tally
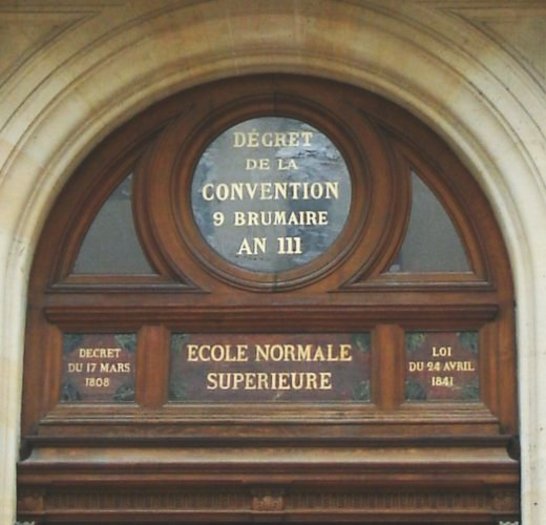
(270, 298)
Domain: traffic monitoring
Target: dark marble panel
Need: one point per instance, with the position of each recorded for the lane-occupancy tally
(270, 367)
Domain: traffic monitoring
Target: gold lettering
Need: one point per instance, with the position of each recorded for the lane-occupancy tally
(269, 381)
(434, 366)
(280, 140)
(239, 139)
(312, 381)
(442, 351)
(252, 139)
(250, 381)
(97, 382)
(459, 366)
(217, 353)
(258, 245)
(267, 190)
(300, 352)
(283, 381)
(280, 218)
(73, 368)
(345, 352)
(293, 138)
(115, 368)
(319, 354)
(286, 164)
(307, 136)
(289, 352)
(238, 378)
(99, 353)
(267, 139)
(212, 381)
(416, 366)
(258, 164)
(445, 381)
(262, 381)
(325, 381)
(270, 139)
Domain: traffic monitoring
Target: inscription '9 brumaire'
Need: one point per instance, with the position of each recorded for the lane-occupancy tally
(271, 194)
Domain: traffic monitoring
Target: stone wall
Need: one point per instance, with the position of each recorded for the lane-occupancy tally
(73, 70)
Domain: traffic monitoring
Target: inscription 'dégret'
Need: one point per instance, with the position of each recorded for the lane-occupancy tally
(271, 194)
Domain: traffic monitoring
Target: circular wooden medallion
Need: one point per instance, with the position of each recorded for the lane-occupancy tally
(267, 188)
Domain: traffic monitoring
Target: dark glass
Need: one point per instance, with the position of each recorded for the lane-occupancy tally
(431, 244)
(111, 244)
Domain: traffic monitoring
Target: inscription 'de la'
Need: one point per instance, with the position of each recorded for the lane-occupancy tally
(271, 194)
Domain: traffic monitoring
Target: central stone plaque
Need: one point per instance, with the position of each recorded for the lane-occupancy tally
(271, 194)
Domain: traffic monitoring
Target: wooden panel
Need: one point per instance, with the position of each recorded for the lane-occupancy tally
(153, 366)
(357, 484)
(164, 457)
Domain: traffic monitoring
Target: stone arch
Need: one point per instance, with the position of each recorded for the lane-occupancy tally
(70, 93)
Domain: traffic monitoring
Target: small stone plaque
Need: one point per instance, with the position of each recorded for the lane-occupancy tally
(98, 368)
(271, 194)
(442, 366)
(270, 368)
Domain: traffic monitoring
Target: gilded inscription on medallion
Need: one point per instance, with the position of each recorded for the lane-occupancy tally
(271, 194)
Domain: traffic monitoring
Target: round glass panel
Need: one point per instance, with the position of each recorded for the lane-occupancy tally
(271, 194)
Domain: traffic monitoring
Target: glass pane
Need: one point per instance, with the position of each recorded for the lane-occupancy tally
(432, 243)
(111, 245)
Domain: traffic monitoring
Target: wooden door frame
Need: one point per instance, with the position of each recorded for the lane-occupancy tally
(345, 439)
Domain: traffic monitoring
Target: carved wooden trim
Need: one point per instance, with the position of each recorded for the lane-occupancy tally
(363, 502)
(262, 315)
(31, 500)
